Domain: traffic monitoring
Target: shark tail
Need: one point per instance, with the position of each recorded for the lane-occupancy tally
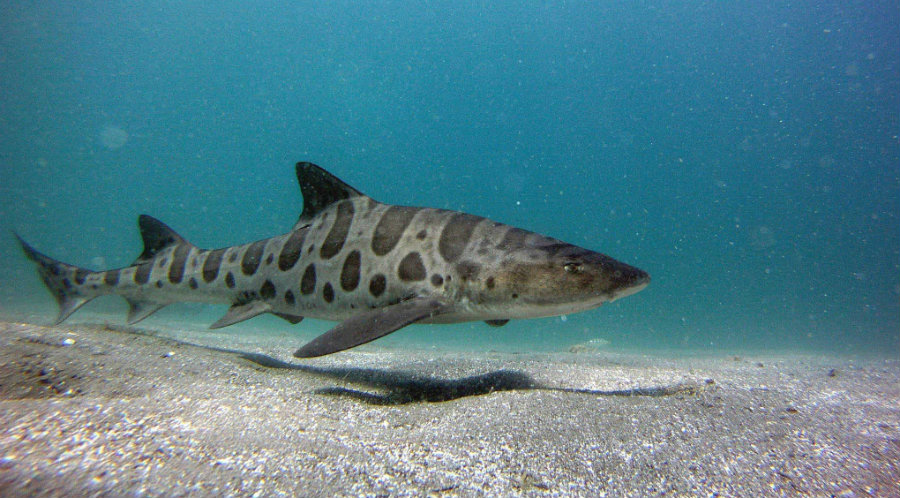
(65, 281)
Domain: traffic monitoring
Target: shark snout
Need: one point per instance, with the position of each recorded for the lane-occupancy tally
(628, 280)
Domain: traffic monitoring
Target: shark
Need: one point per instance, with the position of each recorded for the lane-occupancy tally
(373, 267)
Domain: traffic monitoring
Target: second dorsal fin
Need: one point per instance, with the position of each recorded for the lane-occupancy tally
(157, 236)
(320, 189)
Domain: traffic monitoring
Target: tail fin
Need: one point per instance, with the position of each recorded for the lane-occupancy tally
(65, 282)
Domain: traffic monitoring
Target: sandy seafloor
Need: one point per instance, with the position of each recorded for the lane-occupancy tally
(97, 410)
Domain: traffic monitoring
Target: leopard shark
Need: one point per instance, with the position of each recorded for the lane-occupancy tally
(371, 266)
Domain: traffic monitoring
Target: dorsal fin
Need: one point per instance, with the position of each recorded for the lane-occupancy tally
(320, 189)
(157, 236)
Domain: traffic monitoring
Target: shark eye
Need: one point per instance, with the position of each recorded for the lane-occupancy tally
(573, 268)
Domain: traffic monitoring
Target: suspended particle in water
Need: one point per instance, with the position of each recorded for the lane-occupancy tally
(113, 137)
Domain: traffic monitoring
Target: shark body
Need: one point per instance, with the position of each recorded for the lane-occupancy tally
(374, 267)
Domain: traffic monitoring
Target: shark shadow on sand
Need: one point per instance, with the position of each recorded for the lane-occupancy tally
(402, 387)
(399, 387)
(377, 386)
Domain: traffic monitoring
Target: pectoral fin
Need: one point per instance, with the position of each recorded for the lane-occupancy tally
(370, 325)
(240, 312)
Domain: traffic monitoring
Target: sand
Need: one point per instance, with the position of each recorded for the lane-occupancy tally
(90, 410)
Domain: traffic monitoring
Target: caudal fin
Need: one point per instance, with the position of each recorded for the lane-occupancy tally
(65, 282)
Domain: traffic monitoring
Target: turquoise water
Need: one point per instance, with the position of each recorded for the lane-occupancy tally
(745, 154)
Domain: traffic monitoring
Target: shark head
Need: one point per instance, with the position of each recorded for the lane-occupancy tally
(550, 278)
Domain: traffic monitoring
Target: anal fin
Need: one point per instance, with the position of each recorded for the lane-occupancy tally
(370, 325)
(138, 310)
(68, 305)
(240, 312)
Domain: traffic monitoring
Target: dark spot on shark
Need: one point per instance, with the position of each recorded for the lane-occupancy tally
(232, 256)
(252, 257)
(142, 273)
(456, 234)
(245, 297)
(162, 261)
(411, 268)
(422, 234)
(51, 284)
(339, 230)
(159, 284)
(269, 259)
(390, 228)
(111, 277)
(212, 264)
(350, 273)
(267, 291)
(80, 276)
(377, 285)
(290, 252)
(468, 270)
(555, 248)
(192, 283)
(61, 294)
(289, 297)
(437, 280)
(229, 280)
(490, 283)
(308, 282)
(328, 292)
(514, 239)
(67, 283)
(179, 259)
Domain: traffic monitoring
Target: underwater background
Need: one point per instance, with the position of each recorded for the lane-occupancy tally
(744, 153)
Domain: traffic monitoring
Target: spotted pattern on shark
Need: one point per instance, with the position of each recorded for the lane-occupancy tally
(374, 267)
